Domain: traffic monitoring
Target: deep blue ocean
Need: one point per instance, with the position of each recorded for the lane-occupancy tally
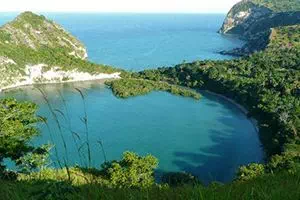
(209, 138)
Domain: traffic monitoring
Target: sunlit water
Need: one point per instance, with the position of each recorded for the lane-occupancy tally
(209, 138)
(139, 41)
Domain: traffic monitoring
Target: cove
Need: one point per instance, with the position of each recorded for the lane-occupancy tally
(209, 138)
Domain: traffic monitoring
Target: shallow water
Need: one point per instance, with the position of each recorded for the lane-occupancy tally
(209, 138)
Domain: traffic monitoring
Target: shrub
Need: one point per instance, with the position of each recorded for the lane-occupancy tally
(131, 171)
(175, 179)
(287, 161)
(250, 171)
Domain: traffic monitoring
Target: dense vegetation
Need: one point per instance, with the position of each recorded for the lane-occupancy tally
(132, 171)
(279, 5)
(273, 5)
(267, 83)
(17, 129)
(129, 87)
(266, 187)
(252, 20)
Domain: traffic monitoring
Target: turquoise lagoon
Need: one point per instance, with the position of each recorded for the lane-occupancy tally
(209, 138)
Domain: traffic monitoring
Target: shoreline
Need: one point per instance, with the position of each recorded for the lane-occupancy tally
(101, 81)
(8, 88)
(76, 78)
(239, 106)
(117, 76)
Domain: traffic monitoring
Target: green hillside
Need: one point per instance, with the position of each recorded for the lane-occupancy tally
(31, 39)
(279, 5)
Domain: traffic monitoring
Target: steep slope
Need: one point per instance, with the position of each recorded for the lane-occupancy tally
(36, 50)
(252, 21)
(252, 16)
(35, 31)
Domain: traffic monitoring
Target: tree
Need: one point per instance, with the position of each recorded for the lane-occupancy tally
(131, 171)
(17, 128)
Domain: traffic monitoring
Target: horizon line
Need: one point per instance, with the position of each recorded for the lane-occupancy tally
(112, 12)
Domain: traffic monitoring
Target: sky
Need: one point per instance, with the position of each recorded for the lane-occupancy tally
(135, 6)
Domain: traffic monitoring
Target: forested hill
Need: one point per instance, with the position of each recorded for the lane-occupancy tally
(32, 40)
(35, 32)
(279, 5)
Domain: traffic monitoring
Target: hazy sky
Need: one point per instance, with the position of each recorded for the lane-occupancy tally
(185, 6)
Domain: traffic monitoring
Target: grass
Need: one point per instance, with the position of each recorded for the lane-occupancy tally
(274, 187)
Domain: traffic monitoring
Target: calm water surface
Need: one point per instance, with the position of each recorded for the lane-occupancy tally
(209, 138)
(139, 41)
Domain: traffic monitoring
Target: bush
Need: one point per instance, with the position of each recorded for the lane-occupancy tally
(131, 171)
(287, 161)
(175, 179)
(250, 171)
